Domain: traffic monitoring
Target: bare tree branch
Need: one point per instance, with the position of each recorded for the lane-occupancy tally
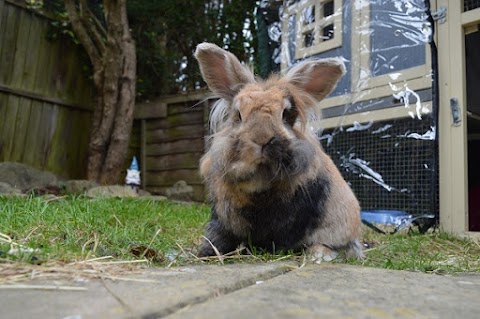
(96, 29)
(82, 33)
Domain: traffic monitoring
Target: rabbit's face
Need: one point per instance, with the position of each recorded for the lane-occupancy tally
(264, 141)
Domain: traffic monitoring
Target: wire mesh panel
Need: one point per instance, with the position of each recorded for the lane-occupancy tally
(470, 5)
(389, 165)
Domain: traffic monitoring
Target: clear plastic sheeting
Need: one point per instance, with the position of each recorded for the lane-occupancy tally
(405, 21)
(379, 125)
(361, 168)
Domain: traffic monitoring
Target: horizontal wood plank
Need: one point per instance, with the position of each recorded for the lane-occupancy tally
(198, 95)
(174, 134)
(43, 98)
(184, 107)
(176, 120)
(166, 178)
(177, 161)
(149, 110)
(176, 147)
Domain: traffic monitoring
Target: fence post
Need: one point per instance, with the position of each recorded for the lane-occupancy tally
(143, 153)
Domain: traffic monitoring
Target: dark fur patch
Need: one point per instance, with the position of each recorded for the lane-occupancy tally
(219, 236)
(275, 222)
(287, 159)
(280, 159)
(278, 222)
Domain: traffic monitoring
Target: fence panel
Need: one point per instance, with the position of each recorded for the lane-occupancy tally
(46, 97)
(172, 141)
(46, 101)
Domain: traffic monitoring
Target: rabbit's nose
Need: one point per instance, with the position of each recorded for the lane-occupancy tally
(274, 140)
(271, 142)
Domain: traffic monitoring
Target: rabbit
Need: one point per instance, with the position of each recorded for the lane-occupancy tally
(270, 183)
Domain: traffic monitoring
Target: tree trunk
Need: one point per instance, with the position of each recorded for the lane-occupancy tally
(112, 53)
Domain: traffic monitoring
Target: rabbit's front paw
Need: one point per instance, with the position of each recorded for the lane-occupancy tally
(319, 253)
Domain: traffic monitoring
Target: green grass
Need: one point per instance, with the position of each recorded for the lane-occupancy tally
(437, 252)
(74, 229)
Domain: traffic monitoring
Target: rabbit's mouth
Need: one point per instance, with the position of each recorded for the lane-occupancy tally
(258, 166)
(255, 182)
(261, 175)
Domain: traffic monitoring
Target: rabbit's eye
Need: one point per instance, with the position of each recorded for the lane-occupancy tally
(290, 115)
(290, 112)
(239, 117)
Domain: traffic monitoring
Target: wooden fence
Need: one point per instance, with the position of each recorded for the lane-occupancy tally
(46, 102)
(172, 131)
(45, 94)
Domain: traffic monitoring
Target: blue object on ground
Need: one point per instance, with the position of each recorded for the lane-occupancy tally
(399, 219)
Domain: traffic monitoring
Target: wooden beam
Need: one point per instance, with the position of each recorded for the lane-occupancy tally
(38, 97)
(150, 110)
(143, 153)
(470, 17)
(40, 12)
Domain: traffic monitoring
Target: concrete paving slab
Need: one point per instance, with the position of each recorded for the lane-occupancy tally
(341, 291)
(271, 290)
(156, 293)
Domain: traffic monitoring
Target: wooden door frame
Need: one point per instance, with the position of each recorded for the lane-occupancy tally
(453, 174)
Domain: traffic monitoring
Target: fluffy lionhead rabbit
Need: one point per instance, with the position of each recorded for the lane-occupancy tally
(270, 183)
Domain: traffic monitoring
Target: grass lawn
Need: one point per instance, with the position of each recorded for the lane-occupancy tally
(72, 229)
(38, 230)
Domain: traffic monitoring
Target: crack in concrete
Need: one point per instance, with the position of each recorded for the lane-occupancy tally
(222, 291)
(125, 306)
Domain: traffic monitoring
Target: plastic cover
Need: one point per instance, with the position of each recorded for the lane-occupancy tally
(379, 125)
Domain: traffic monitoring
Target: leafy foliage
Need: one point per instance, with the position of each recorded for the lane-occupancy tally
(167, 33)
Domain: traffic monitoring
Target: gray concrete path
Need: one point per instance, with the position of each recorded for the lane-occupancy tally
(271, 290)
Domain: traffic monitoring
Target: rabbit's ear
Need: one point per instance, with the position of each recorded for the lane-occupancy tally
(222, 71)
(317, 77)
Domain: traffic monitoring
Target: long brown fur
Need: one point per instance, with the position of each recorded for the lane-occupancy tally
(251, 119)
